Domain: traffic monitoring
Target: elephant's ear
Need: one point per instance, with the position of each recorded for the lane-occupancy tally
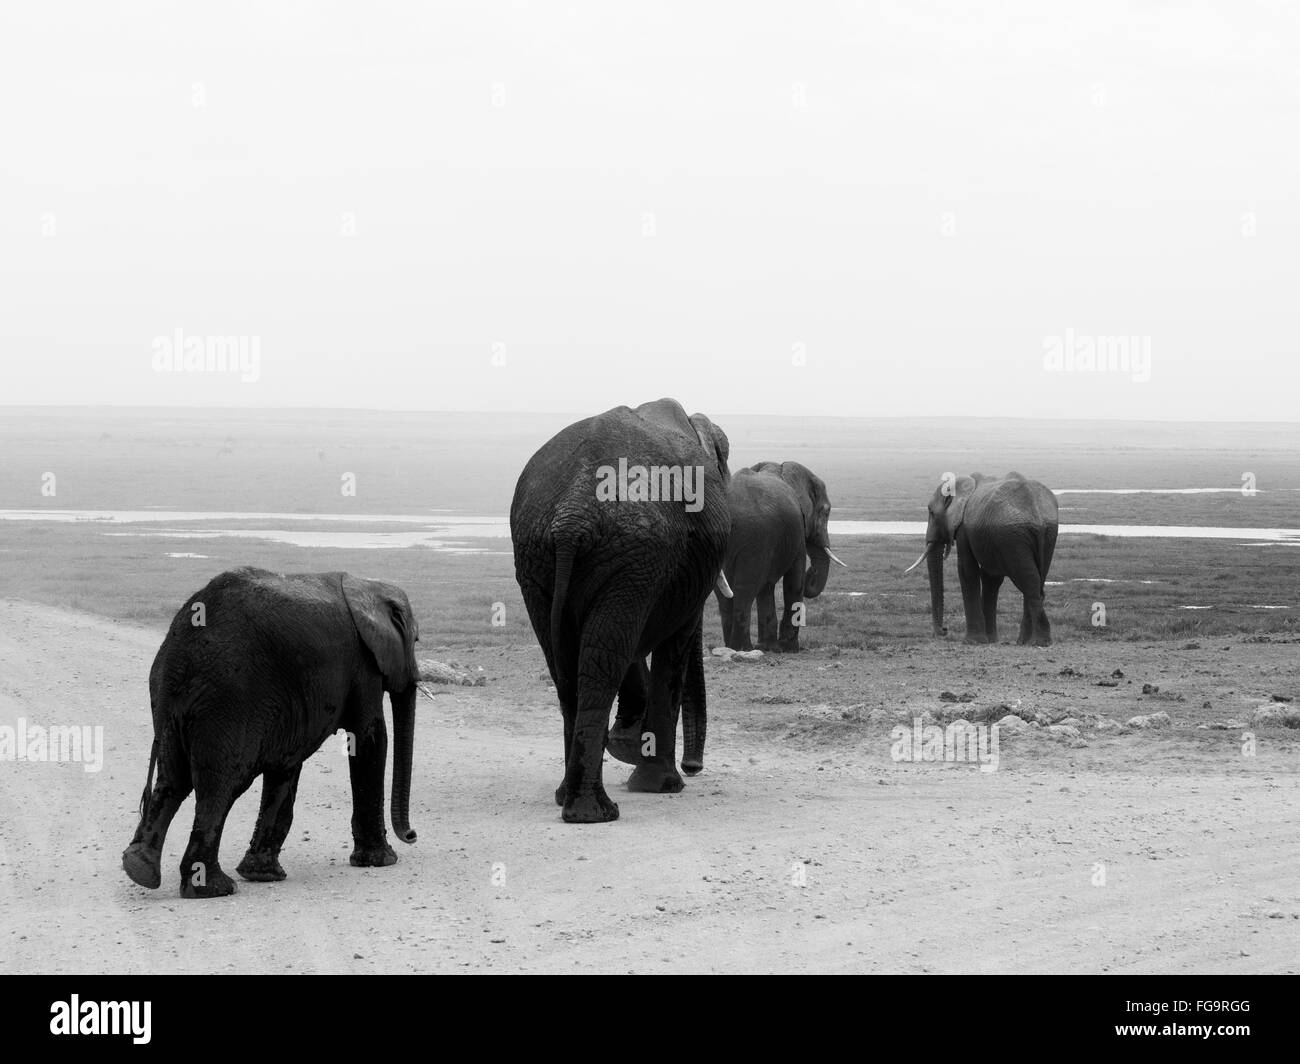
(383, 618)
(715, 443)
(956, 510)
(808, 489)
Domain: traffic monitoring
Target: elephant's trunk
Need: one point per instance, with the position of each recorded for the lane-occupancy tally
(814, 580)
(403, 749)
(934, 563)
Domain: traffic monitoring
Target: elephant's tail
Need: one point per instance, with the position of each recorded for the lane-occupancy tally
(148, 783)
(564, 552)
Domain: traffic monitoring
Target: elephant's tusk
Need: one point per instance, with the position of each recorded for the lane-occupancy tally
(721, 584)
(833, 558)
(917, 562)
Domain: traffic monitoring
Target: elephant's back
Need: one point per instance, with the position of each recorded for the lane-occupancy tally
(1017, 500)
(762, 503)
(237, 632)
(560, 481)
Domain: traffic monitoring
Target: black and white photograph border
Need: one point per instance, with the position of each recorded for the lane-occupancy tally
(587, 488)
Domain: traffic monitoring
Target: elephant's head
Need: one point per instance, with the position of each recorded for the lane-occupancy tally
(815, 505)
(946, 511)
(384, 621)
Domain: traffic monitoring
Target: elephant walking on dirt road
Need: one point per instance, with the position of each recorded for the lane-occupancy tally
(1002, 527)
(255, 673)
(619, 526)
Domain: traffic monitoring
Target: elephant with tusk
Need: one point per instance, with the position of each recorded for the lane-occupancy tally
(615, 564)
(779, 515)
(1002, 527)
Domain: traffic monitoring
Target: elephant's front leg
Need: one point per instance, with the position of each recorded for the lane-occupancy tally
(968, 573)
(261, 864)
(742, 606)
(695, 711)
(624, 741)
(794, 615)
(726, 615)
(366, 769)
(656, 771)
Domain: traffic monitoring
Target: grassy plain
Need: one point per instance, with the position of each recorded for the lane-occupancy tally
(418, 463)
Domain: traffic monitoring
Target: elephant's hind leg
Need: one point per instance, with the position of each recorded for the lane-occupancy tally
(261, 864)
(142, 859)
(609, 643)
(1035, 628)
(1042, 633)
(989, 587)
(201, 873)
(767, 623)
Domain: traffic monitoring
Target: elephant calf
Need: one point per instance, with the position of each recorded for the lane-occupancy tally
(779, 513)
(255, 673)
(1002, 527)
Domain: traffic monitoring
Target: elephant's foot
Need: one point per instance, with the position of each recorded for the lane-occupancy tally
(623, 743)
(940, 633)
(561, 793)
(142, 865)
(693, 764)
(656, 778)
(260, 868)
(372, 856)
(594, 807)
(974, 641)
(214, 883)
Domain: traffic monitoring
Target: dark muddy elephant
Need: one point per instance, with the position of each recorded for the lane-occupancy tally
(1002, 527)
(779, 512)
(619, 526)
(255, 673)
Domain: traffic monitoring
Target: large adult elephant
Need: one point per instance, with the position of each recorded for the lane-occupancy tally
(256, 672)
(779, 513)
(619, 525)
(1002, 527)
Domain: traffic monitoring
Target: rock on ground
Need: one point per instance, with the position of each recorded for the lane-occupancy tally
(436, 672)
(1277, 715)
(1150, 720)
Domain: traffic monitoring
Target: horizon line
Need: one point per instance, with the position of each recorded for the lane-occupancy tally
(581, 414)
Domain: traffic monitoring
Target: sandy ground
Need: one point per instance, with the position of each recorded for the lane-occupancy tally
(802, 846)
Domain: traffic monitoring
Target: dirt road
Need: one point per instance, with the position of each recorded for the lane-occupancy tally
(802, 847)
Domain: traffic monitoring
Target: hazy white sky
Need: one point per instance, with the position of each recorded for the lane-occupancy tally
(632, 200)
